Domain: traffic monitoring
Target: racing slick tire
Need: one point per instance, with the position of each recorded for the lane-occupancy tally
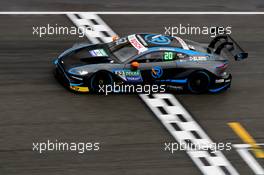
(99, 80)
(198, 82)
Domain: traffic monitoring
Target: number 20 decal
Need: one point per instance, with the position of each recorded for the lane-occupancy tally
(168, 56)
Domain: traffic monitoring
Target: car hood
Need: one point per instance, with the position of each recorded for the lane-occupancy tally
(86, 55)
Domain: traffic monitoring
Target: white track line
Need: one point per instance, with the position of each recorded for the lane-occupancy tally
(243, 151)
(209, 163)
(132, 13)
(181, 126)
(101, 32)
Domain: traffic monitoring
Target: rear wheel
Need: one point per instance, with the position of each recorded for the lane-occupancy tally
(100, 80)
(199, 82)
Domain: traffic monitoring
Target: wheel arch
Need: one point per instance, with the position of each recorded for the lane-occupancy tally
(208, 74)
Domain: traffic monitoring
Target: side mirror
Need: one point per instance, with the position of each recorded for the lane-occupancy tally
(115, 37)
(134, 65)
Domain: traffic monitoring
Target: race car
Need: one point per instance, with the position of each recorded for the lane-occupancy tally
(144, 58)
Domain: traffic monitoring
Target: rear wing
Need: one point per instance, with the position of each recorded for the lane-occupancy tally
(226, 42)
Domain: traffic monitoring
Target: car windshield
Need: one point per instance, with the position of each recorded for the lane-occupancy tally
(122, 49)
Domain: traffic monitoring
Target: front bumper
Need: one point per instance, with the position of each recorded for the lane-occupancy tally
(79, 88)
(74, 84)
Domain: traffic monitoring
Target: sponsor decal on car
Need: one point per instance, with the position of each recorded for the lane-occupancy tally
(98, 52)
(134, 41)
(168, 56)
(219, 80)
(129, 75)
(156, 72)
(120, 73)
(222, 80)
(157, 39)
(198, 58)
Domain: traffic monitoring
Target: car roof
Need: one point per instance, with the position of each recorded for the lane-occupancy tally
(154, 40)
(146, 42)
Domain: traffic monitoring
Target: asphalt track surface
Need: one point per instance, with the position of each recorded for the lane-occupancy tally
(136, 5)
(34, 107)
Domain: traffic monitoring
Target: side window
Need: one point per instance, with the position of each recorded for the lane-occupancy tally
(163, 56)
(172, 56)
(181, 56)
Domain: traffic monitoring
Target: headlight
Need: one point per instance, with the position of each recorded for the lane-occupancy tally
(76, 71)
(83, 72)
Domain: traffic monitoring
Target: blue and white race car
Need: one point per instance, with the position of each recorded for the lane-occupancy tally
(177, 63)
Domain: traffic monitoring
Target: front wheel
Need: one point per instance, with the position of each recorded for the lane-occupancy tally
(100, 80)
(199, 82)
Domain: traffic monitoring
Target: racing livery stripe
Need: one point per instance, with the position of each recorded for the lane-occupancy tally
(183, 43)
(171, 114)
(188, 52)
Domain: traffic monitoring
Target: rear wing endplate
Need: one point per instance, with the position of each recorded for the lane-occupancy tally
(226, 41)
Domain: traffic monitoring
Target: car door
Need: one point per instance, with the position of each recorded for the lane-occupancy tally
(154, 66)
